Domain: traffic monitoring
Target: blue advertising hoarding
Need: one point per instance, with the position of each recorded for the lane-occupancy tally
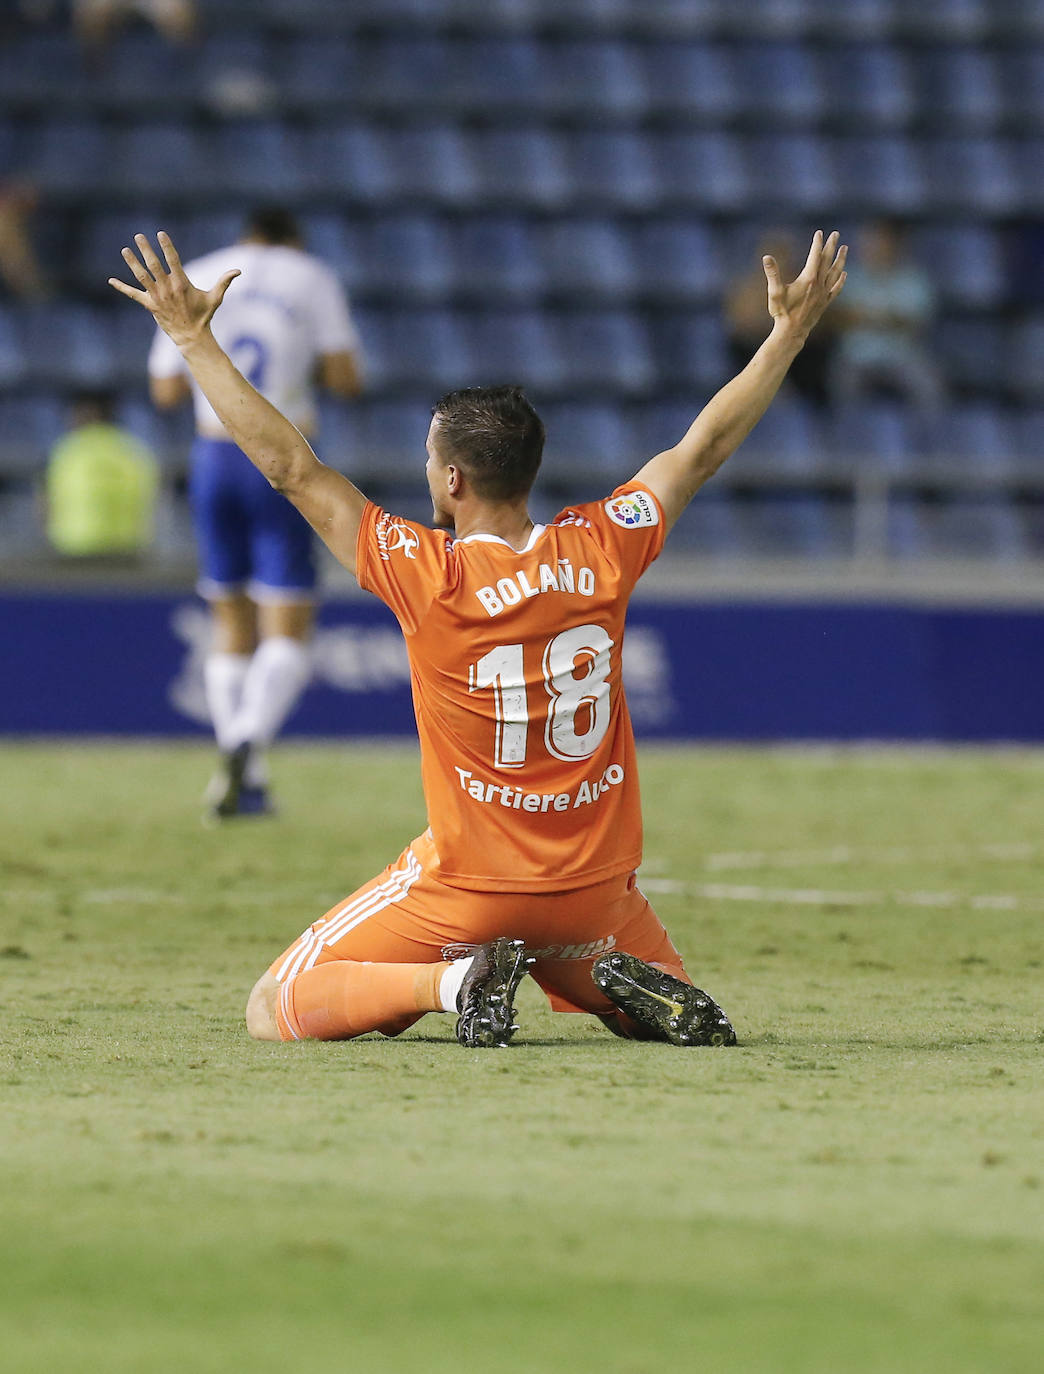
(96, 664)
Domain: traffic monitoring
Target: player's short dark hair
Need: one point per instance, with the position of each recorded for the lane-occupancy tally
(495, 435)
(273, 224)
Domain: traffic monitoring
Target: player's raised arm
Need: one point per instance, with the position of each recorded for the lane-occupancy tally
(675, 475)
(327, 500)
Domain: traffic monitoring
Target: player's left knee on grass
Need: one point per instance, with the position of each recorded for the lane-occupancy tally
(261, 1021)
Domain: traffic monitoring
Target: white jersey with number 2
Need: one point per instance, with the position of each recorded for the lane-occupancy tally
(286, 311)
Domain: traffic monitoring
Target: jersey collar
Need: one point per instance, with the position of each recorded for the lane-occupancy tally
(537, 531)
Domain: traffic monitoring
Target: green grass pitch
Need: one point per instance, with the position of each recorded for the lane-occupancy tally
(858, 1187)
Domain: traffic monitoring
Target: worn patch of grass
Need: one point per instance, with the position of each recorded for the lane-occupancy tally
(858, 1186)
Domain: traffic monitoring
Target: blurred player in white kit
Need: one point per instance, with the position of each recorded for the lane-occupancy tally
(288, 326)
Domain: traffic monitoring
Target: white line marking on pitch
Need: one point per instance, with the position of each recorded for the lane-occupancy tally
(816, 896)
(846, 854)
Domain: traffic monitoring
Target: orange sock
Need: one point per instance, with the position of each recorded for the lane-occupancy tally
(342, 999)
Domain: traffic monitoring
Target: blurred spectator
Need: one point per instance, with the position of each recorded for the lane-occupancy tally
(745, 316)
(101, 486)
(888, 306)
(95, 21)
(20, 269)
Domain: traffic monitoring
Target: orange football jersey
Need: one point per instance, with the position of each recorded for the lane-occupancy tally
(527, 751)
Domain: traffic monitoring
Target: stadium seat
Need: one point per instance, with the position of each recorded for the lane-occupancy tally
(418, 349)
(790, 524)
(780, 85)
(1025, 351)
(878, 175)
(972, 526)
(792, 174)
(497, 259)
(708, 527)
(205, 232)
(973, 353)
(587, 441)
(691, 81)
(1028, 433)
(869, 87)
(587, 257)
(960, 89)
(605, 350)
(518, 345)
(398, 73)
(495, 74)
(875, 434)
(167, 434)
(317, 74)
(677, 261)
(409, 254)
(342, 244)
(31, 426)
(592, 78)
(967, 263)
(973, 437)
(1023, 86)
(70, 156)
(257, 160)
(355, 159)
(690, 352)
(70, 345)
(611, 169)
(703, 173)
(43, 68)
(522, 167)
(390, 437)
(12, 347)
(144, 71)
(788, 438)
(971, 171)
(434, 165)
(160, 159)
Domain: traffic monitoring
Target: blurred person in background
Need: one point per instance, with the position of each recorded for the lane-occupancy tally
(95, 21)
(287, 324)
(746, 329)
(20, 270)
(101, 486)
(890, 303)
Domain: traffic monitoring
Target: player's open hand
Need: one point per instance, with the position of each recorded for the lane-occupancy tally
(180, 309)
(798, 305)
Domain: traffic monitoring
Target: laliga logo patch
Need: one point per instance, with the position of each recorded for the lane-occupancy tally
(632, 511)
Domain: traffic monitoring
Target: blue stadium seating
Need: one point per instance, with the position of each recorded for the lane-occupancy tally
(31, 426)
(318, 73)
(497, 259)
(70, 345)
(876, 433)
(12, 348)
(869, 87)
(677, 261)
(588, 440)
(555, 192)
(522, 167)
(409, 252)
(69, 156)
(588, 256)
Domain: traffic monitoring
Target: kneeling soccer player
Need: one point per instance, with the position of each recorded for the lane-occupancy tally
(515, 635)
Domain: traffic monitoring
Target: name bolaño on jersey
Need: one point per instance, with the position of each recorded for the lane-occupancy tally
(527, 750)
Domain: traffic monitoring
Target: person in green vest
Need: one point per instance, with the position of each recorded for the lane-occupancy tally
(101, 486)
